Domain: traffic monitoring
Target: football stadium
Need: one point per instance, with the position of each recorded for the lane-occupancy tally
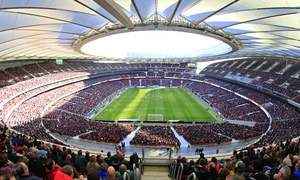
(156, 89)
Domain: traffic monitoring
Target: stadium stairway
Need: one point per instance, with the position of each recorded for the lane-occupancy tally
(183, 142)
(155, 173)
(129, 137)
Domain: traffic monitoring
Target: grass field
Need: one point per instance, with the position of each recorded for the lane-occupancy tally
(172, 103)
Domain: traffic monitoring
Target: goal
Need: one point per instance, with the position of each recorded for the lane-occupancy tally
(155, 117)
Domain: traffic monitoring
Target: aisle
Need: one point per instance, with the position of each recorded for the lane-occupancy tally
(183, 142)
(129, 137)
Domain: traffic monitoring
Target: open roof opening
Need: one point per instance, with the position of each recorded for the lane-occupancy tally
(155, 44)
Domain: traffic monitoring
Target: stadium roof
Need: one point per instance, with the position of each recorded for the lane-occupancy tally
(54, 29)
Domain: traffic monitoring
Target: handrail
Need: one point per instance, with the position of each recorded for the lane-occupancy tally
(134, 171)
(179, 172)
(192, 175)
(137, 176)
(126, 176)
(141, 166)
(173, 172)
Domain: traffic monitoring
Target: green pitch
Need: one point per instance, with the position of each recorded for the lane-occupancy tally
(172, 103)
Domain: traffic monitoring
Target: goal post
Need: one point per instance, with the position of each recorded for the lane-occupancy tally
(155, 117)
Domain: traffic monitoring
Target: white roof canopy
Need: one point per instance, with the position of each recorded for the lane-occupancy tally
(50, 29)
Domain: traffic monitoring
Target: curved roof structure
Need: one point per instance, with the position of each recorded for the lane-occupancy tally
(52, 29)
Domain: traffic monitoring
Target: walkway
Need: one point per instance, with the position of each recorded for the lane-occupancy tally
(183, 142)
(129, 137)
(160, 151)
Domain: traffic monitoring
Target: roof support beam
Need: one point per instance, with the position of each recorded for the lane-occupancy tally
(137, 10)
(115, 10)
(81, 3)
(174, 12)
(217, 11)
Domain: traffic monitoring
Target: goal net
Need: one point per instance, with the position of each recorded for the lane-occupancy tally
(155, 117)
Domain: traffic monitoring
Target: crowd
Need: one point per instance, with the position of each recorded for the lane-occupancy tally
(48, 67)
(35, 130)
(68, 124)
(275, 78)
(70, 111)
(280, 131)
(219, 132)
(154, 135)
(200, 134)
(85, 100)
(28, 72)
(109, 132)
(25, 158)
(12, 90)
(73, 125)
(239, 131)
(33, 107)
(229, 105)
(280, 162)
(223, 100)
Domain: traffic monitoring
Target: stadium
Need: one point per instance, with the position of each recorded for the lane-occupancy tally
(160, 78)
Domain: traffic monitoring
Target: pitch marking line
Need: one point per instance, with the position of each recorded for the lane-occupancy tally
(188, 114)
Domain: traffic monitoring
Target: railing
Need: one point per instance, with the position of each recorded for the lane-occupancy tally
(126, 176)
(193, 176)
(136, 172)
(179, 172)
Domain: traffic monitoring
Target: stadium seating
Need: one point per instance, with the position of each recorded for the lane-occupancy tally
(78, 105)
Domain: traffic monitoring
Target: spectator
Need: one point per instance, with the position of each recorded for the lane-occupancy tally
(201, 170)
(6, 166)
(283, 174)
(93, 174)
(230, 166)
(257, 173)
(103, 170)
(176, 165)
(270, 172)
(93, 164)
(122, 159)
(23, 172)
(40, 166)
(65, 159)
(297, 170)
(122, 170)
(215, 161)
(111, 172)
(87, 155)
(237, 177)
(80, 162)
(66, 173)
(11, 154)
(131, 163)
(51, 169)
(212, 172)
(239, 168)
(223, 173)
(108, 159)
(7, 177)
(186, 166)
(203, 158)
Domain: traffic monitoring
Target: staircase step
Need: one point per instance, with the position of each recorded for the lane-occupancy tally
(155, 173)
